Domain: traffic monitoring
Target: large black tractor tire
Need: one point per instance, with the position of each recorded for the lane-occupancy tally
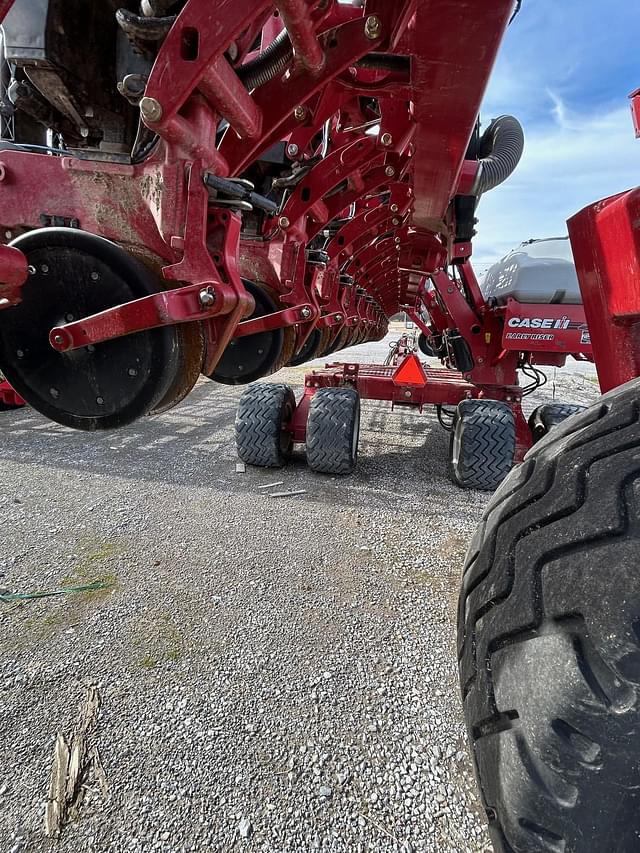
(263, 416)
(545, 418)
(333, 430)
(483, 444)
(549, 640)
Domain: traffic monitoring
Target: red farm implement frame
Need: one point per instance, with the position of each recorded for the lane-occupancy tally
(8, 397)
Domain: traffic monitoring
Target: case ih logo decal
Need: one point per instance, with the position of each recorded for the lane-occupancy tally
(541, 323)
(526, 325)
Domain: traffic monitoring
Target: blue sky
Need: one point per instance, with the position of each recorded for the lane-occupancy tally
(565, 71)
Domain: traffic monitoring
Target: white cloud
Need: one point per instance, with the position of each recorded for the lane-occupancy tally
(559, 109)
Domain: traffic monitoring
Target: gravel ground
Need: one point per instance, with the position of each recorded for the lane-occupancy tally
(276, 674)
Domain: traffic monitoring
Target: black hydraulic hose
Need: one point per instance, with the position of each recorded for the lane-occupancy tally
(384, 62)
(277, 57)
(502, 145)
(274, 59)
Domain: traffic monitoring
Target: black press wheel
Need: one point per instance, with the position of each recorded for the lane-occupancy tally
(333, 429)
(264, 413)
(249, 358)
(483, 443)
(545, 418)
(549, 640)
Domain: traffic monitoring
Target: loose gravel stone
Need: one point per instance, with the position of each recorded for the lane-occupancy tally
(244, 827)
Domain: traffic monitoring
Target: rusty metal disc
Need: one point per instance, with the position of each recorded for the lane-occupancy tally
(190, 355)
(340, 341)
(308, 350)
(288, 349)
(325, 342)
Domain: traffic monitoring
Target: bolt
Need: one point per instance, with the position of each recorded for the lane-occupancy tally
(481, 360)
(305, 313)
(8, 234)
(58, 339)
(54, 393)
(31, 269)
(389, 171)
(449, 290)
(394, 208)
(94, 276)
(20, 353)
(300, 113)
(132, 371)
(207, 297)
(44, 268)
(338, 318)
(395, 221)
(68, 318)
(386, 139)
(407, 393)
(99, 400)
(283, 222)
(373, 27)
(151, 109)
(292, 149)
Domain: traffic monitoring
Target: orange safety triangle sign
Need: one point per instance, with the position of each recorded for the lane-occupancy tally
(410, 372)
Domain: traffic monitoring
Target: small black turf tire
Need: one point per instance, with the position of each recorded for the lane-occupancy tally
(262, 418)
(482, 445)
(333, 430)
(549, 640)
(550, 415)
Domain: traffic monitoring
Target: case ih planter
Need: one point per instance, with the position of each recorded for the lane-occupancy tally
(226, 188)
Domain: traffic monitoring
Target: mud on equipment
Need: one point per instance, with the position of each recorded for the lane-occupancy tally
(549, 639)
(74, 274)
